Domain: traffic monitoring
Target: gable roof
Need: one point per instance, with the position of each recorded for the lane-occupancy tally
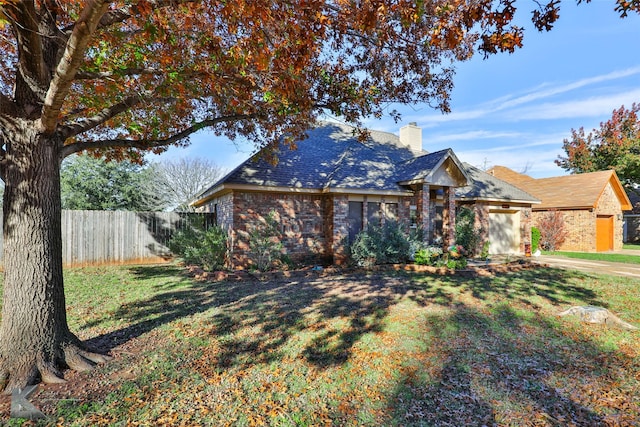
(578, 191)
(484, 186)
(332, 159)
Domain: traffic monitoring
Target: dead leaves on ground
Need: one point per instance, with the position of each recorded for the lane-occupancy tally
(374, 349)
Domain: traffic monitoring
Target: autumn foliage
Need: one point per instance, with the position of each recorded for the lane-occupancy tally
(616, 145)
(150, 73)
(553, 231)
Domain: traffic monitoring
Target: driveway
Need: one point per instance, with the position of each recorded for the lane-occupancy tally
(589, 266)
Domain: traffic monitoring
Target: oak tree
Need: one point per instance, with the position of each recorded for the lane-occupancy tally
(120, 78)
(616, 145)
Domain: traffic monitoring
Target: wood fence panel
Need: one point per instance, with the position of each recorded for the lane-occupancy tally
(117, 237)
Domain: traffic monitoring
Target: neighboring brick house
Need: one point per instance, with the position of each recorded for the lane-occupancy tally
(591, 204)
(333, 185)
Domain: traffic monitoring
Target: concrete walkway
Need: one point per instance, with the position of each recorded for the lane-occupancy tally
(589, 266)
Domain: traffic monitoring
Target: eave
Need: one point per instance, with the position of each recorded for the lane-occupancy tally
(223, 189)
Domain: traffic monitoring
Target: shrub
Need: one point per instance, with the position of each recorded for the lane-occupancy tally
(387, 244)
(428, 255)
(484, 254)
(535, 238)
(265, 247)
(195, 244)
(552, 230)
(454, 263)
(466, 234)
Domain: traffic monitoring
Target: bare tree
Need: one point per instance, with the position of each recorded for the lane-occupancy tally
(181, 180)
(526, 168)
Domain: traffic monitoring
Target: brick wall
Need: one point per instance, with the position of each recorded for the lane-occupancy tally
(449, 217)
(581, 228)
(300, 216)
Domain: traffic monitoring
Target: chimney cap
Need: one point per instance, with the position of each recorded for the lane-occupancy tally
(413, 123)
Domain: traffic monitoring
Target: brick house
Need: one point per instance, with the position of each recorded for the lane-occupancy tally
(333, 186)
(591, 205)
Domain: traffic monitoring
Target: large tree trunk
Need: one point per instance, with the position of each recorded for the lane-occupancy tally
(35, 341)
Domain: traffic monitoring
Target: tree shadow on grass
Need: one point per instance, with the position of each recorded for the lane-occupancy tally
(281, 308)
(503, 367)
(553, 285)
(336, 311)
(254, 322)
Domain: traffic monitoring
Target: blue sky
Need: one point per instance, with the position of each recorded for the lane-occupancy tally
(515, 110)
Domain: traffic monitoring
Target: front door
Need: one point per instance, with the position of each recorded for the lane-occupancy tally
(604, 233)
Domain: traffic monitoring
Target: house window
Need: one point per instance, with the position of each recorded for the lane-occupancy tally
(374, 214)
(391, 211)
(215, 214)
(413, 216)
(355, 219)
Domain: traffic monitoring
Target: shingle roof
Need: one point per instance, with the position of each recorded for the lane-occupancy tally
(568, 191)
(485, 186)
(333, 157)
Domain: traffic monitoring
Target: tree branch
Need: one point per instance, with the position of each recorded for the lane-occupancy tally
(84, 125)
(7, 106)
(117, 16)
(88, 75)
(70, 62)
(147, 144)
(31, 66)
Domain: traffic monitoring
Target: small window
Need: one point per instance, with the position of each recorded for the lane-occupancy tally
(391, 211)
(413, 216)
(355, 219)
(374, 215)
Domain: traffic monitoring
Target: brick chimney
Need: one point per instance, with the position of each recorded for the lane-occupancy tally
(411, 136)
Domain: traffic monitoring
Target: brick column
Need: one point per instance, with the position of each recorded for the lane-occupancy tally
(448, 217)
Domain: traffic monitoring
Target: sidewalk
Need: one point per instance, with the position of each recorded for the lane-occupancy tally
(593, 266)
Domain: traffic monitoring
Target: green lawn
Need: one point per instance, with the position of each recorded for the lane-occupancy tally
(349, 349)
(599, 256)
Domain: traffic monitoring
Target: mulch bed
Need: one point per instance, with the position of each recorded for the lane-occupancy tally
(472, 270)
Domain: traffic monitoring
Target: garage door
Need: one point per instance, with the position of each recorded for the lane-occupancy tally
(604, 233)
(504, 232)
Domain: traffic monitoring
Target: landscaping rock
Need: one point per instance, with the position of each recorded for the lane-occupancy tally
(592, 314)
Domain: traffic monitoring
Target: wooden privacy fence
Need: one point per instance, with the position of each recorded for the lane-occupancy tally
(119, 237)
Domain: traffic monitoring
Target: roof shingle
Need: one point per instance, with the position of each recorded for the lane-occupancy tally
(578, 191)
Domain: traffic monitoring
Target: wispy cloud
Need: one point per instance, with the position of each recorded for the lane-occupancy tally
(541, 92)
(590, 107)
(545, 91)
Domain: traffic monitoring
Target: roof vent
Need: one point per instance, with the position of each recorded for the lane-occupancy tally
(411, 136)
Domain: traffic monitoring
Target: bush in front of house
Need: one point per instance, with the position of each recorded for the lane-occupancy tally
(553, 231)
(387, 244)
(452, 258)
(466, 233)
(196, 244)
(428, 255)
(265, 245)
(535, 238)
